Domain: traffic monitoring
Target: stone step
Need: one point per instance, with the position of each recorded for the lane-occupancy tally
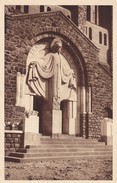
(61, 148)
(62, 136)
(50, 154)
(71, 142)
(54, 145)
(74, 149)
(67, 139)
(35, 159)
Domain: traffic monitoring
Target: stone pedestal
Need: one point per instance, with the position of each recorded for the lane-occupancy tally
(31, 130)
(31, 124)
(31, 138)
(71, 126)
(106, 131)
(46, 122)
(56, 121)
(69, 118)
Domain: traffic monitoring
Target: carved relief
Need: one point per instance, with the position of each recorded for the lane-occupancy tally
(47, 62)
(56, 103)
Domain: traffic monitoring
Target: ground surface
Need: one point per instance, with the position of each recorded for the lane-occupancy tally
(95, 169)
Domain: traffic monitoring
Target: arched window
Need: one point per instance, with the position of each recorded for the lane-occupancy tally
(90, 33)
(108, 112)
(41, 8)
(48, 9)
(100, 37)
(26, 9)
(105, 39)
(18, 7)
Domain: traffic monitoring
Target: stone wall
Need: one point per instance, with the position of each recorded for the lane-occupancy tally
(82, 18)
(101, 98)
(23, 31)
(13, 141)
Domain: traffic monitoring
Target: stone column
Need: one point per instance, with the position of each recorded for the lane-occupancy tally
(18, 77)
(31, 129)
(89, 111)
(22, 89)
(69, 117)
(56, 112)
(72, 117)
(84, 99)
(83, 114)
(56, 117)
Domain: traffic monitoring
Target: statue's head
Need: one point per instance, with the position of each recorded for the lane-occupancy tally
(56, 45)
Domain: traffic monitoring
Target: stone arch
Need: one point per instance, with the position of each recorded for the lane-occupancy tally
(79, 63)
(70, 45)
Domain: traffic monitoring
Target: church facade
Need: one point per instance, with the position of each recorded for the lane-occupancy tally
(58, 77)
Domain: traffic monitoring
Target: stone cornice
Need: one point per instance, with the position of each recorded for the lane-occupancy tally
(50, 14)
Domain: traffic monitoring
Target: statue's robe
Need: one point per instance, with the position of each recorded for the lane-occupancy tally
(52, 66)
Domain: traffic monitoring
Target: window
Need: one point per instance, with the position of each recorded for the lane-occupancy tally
(90, 33)
(100, 37)
(88, 13)
(18, 7)
(86, 30)
(105, 39)
(26, 9)
(41, 8)
(48, 9)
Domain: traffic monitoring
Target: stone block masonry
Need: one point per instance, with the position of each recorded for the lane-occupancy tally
(23, 31)
(13, 141)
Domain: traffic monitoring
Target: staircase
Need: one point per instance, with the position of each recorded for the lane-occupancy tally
(62, 148)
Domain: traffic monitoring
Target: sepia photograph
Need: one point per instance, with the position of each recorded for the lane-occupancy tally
(58, 92)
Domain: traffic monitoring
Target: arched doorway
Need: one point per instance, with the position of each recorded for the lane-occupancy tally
(59, 102)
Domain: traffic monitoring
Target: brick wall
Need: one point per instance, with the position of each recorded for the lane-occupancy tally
(23, 31)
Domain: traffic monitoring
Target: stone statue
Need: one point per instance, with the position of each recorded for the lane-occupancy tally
(51, 66)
